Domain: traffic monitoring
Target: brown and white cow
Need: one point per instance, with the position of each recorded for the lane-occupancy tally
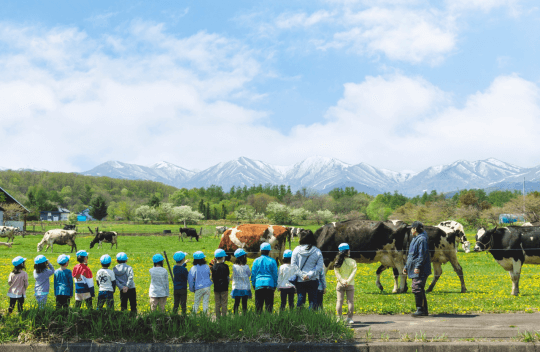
(58, 236)
(251, 236)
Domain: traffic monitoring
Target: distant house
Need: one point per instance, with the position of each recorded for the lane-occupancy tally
(21, 222)
(85, 216)
(54, 215)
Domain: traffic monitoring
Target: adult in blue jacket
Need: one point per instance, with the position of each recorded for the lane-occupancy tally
(418, 267)
(264, 278)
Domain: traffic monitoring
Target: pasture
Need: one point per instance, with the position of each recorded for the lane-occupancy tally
(488, 285)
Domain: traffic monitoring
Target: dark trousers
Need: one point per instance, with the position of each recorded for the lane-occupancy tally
(131, 296)
(237, 300)
(309, 289)
(88, 302)
(264, 296)
(19, 301)
(62, 301)
(180, 299)
(418, 288)
(287, 294)
(320, 296)
(105, 297)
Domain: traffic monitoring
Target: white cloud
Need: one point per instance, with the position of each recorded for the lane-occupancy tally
(288, 20)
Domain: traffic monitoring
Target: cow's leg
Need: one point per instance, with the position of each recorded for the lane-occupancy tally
(396, 280)
(437, 272)
(52, 244)
(403, 278)
(380, 270)
(515, 273)
(459, 272)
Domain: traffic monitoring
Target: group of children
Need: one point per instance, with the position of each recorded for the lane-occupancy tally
(199, 280)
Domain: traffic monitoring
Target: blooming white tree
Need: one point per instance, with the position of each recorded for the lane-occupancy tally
(185, 213)
(324, 216)
(245, 213)
(167, 210)
(299, 214)
(146, 213)
(279, 213)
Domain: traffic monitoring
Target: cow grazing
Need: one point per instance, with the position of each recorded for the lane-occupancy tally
(105, 237)
(58, 236)
(511, 247)
(220, 230)
(7, 232)
(370, 242)
(189, 232)
(442, 243)
(250, 236)
(460, 233)
(295, 231)
(69, 227)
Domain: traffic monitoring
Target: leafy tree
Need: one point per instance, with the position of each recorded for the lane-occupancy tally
(322, 216)
(72, 218)
(154, 201)
(98, 209)
(279, 213)
(126, 210)
(245, 213)
(260, 201)
(299, 214)
(168, 212)
(146, 213)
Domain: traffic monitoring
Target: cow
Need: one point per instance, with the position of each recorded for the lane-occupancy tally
(295, 231)
(69, 227)
(369, 241)
(5, 244)
(105, 237)
(189, 232)
(460, 233)
(511, 247)
(442, 249)
(220, 230)
(8, 232)
(58, 236)
(251, 236)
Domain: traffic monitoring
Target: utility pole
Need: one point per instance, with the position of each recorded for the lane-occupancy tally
(523, 195)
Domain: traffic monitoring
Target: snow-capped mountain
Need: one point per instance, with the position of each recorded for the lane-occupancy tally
(323, 174)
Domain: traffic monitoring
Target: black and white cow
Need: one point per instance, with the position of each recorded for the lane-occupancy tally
(511, 247)
(460, 233)
(8, 232)
(442, 243)
(105, 237)
(69, 227)
(295, 231)
(189, 232)
(220, 230)
(369, 241)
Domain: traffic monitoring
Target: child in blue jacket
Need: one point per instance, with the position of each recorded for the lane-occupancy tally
(63, 282)
(180, 282)
(264, 278)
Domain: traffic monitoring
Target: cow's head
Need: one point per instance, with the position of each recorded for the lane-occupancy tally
(484, 239)
(40, 246)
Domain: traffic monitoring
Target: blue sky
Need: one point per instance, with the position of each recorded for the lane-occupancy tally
(396, 84)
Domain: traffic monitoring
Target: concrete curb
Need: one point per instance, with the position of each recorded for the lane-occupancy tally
(269, 347)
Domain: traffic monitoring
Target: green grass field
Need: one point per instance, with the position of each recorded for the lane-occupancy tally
(488, 284)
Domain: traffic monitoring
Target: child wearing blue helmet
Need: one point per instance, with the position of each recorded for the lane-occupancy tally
(43, 270)
(18, 283)
(125, 283)
(107, 283)
(220, 275)
(159, 284)
(199, 281)
(264, 277)
(241, 288)
(345, 270)
(63, 282)
(180, 282)
(84, 281)
(285, 288)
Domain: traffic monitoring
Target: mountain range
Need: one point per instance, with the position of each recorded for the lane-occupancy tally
(323, 174)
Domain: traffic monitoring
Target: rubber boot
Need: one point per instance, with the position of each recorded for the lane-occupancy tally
(419, 307)
(426, 310)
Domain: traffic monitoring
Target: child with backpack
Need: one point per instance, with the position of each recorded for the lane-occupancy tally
(241, 286)
(199, 281)
(107, 283)
(63, 282)
(180, 282)
(159, 284)
(18, 283)
(43, 270)
(286, 289)
(125, 283)
(220, 276)
(84, 281)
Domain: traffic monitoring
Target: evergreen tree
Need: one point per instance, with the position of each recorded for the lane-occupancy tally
(98, 208)
(223, 211)
(207, 212)
(154, 201)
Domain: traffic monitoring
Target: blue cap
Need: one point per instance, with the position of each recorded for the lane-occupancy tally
(105, 259)
(287, 254)
(82, 253)
(198, 255)
(220, 253)
(121, 256)
(40, 259)
(239, 252)
(343, 247)
(157, 258)
(179, 256)
(63, 259)
(266, 247)
(18, 260)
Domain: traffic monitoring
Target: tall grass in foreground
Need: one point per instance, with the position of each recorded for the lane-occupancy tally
(49, 325)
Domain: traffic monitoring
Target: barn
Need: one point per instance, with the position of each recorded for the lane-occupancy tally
(17, 220)
(55, 215)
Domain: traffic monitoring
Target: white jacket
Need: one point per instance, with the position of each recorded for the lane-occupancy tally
(285, 273)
